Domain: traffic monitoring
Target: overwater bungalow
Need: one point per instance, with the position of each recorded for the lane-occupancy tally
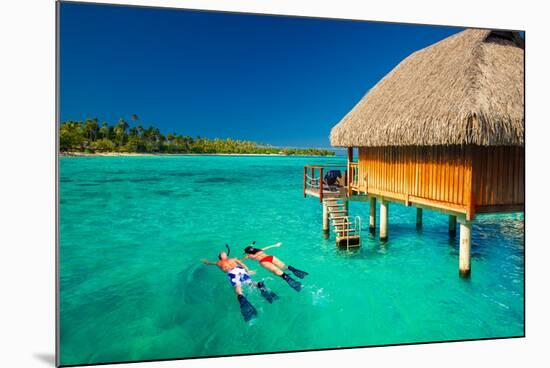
(443, 131)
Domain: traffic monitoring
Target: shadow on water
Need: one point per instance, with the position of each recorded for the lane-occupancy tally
(129, 180)
(115, 172)
(351, 252)
(171, 193)
(181, 174)
(218, 180)
(164, 192)
(194, 286)
(369, 249)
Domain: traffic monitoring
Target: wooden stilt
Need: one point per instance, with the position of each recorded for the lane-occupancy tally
(418, 218)
(325, 220)
(384, 207)
(350, 160)
(452, 226)
(372, 217)
(465, 248)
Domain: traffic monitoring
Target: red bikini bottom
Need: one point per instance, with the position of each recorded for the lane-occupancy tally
(267, 259)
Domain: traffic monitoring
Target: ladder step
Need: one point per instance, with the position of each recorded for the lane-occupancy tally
(345, 229)
(348, 240)
(340, 212)
(340, 223)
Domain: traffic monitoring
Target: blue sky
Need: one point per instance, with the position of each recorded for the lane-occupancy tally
(279, 80)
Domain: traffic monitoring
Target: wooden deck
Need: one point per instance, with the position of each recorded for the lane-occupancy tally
(314, 182)
(313, 192)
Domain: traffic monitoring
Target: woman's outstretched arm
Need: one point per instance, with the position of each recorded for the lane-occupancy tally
(273, 246)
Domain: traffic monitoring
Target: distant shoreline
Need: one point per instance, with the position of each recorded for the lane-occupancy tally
(134, 154)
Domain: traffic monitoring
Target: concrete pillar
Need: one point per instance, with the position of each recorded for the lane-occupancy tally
(372, 217)
(452, 226)
(325, 220)
(465, 248)
(384, 208)
(418, 218)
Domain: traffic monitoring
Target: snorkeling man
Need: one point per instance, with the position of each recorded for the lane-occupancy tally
(240, 274)
(275, 265)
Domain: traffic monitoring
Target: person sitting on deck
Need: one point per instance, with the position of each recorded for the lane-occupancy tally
(332, 180)
(239, 274)
(275, 265)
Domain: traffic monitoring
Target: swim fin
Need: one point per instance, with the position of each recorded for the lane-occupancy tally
(298, 273)
(270, 296)
(247, 310)
(293, 283)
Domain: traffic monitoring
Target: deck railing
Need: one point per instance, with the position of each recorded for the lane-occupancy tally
(314, 175)
(353, 170)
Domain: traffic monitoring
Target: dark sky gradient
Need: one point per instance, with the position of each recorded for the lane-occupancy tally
(279, 80)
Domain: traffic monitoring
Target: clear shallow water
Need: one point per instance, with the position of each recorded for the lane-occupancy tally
(133, 231)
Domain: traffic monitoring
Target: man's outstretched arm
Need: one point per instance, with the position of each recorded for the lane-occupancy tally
(207, 262)
(244, 266)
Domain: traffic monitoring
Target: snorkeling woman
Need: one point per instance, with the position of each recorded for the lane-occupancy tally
(274, 264)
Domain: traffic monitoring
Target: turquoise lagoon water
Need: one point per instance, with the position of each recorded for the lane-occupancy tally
(133, 231)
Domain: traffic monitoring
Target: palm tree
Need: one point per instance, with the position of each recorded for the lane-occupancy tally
(71, 136)
(170, 137)
(104, 130)
(91, 127)
(120, 130)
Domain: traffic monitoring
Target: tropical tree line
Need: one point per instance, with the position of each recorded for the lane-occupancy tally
(92, 137)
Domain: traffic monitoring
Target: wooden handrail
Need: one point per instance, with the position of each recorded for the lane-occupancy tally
(346, 181)
(314, 184)
(305, 180)
(326, 166)
(321, 184)
(353, 170)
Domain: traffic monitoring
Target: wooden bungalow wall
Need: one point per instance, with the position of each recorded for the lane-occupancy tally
(462, 179)
(498, 178)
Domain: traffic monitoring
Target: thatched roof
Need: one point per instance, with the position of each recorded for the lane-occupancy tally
(465, 89)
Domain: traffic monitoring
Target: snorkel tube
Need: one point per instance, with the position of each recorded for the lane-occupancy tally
(250, 249)
(228, 249)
